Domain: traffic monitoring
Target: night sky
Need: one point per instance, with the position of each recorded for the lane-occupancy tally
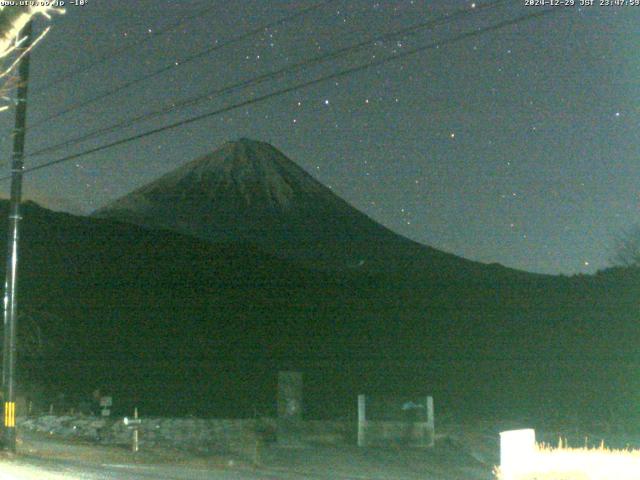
(518, 146)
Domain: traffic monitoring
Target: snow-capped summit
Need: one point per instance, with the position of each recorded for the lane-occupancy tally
(249, 191)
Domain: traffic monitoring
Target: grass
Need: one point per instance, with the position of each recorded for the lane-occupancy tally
(566, 463)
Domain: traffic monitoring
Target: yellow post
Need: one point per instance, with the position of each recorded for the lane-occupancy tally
(9, 414)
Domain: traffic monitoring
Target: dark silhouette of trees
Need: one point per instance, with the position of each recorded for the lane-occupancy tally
(626, 250)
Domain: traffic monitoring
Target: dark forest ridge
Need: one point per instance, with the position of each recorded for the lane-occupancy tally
(203, 327)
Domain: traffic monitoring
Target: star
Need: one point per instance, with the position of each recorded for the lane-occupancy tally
(476, 86)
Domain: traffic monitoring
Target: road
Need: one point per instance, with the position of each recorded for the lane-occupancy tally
(37, 469)
(44, 458)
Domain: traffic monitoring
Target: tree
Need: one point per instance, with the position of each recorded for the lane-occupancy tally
(12, 20)
(626, 250)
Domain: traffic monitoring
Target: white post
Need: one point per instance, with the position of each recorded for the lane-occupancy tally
(517, 451)
(431, 422)
(135, 443)
(362, 420)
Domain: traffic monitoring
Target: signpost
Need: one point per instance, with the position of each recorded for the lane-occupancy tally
(134, 424)
(105, 403)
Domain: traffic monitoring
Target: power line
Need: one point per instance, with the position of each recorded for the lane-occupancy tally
(269, 76)
(283, 91)
(293, 88)
(180, 63)
(126, 48)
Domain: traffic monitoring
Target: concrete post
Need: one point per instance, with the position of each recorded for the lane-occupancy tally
(431, 423)
(362, 420)
(290, 408)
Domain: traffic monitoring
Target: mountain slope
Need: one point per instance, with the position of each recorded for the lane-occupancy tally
(248, 191)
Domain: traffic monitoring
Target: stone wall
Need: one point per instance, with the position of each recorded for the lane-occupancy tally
(223, 436)
(240, 436)
(386, 433)
(193, 434)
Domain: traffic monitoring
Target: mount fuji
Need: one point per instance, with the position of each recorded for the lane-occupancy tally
(248, 191)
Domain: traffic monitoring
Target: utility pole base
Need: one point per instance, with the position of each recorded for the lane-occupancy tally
(9, 440)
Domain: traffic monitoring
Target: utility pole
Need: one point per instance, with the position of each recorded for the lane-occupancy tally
(11, 282)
